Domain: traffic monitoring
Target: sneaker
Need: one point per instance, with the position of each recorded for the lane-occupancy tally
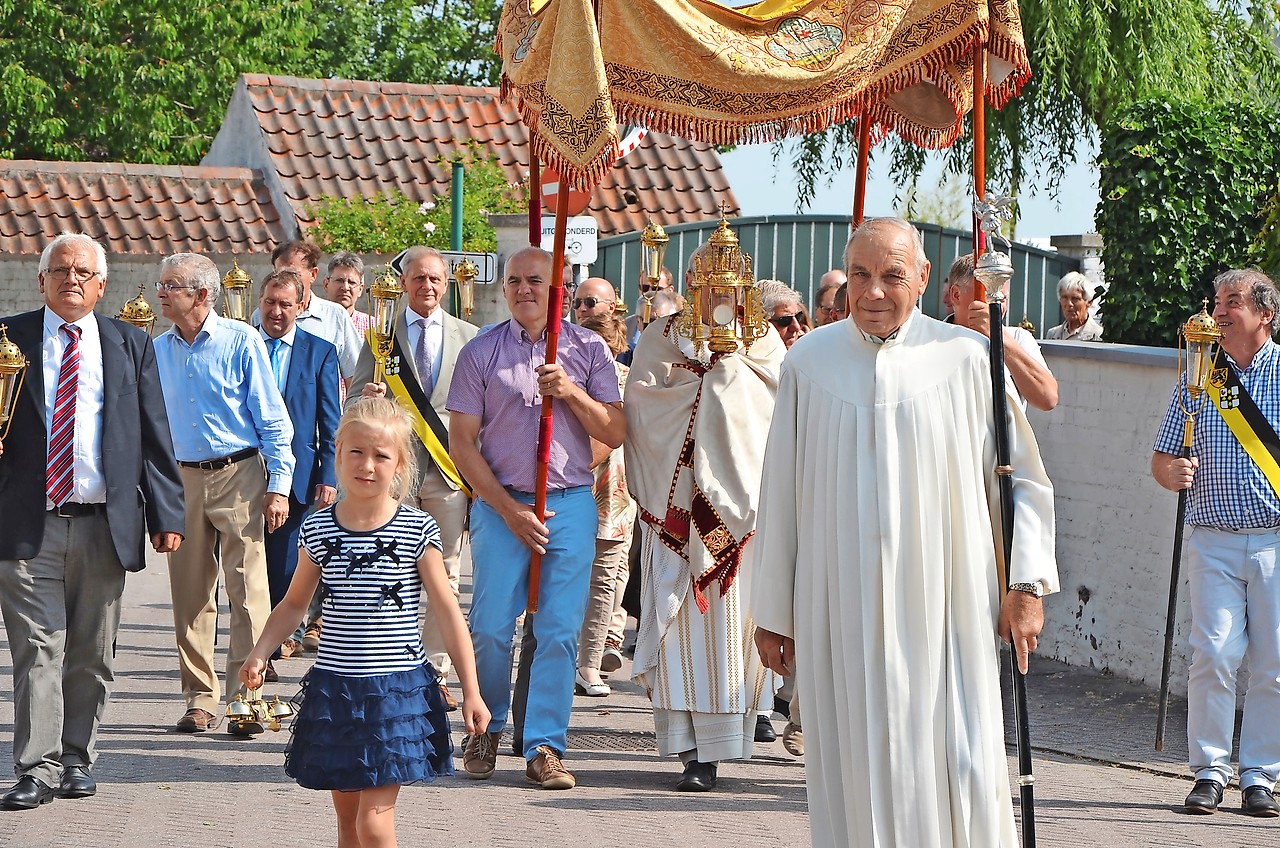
(311, 636)
(547, 771)
(290, 648)
(793, 739)
(611, 660)
(480, 757)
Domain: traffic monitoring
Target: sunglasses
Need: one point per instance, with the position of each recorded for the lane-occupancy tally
(784, 321)
(589, 302)
(645, 288)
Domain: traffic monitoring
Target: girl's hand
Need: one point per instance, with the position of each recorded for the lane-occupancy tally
(251, 673)
(475, 715)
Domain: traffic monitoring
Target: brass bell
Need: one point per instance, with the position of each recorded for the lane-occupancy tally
(239, 709)
(280, 709)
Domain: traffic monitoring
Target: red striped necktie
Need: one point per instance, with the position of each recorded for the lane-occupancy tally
(61, 479)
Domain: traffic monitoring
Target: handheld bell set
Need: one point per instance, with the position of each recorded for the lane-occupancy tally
(253, 715)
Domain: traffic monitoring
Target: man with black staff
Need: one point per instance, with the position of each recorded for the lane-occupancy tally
(86, 474)
(1232, 546)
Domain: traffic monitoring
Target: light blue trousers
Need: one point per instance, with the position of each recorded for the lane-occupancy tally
(500, 564)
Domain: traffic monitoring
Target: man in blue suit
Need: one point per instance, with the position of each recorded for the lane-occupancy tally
(306, 371)
(87, 474)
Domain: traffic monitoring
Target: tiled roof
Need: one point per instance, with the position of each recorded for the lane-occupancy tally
(136, 209)
(348, 139)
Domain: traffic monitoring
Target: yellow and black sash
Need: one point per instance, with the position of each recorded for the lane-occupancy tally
(1247, 423)
(427, 425)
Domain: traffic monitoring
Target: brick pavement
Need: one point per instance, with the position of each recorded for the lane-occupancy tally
(1098, 782)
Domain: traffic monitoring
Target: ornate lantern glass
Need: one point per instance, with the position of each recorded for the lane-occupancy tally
(384, 297)
(1200, 334)
(13, 367)
(653, 249)
(139, 313)
(235, 285)
(465, 272)
(725, 309)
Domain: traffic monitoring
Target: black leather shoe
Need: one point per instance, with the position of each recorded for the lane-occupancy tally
(698, 777)
(76, 783)
(1204, 798)
(1258, 801)
(764, 729)
(27, 794)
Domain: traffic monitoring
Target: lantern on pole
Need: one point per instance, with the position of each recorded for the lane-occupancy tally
(653, 248)
(384, 297)
(465, 272)
(725, 309)
(235, 284)
(139, 313)
(13, 367)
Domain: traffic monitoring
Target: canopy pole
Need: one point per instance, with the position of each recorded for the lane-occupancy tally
(860, 178)
(535, 200)
(979, 118)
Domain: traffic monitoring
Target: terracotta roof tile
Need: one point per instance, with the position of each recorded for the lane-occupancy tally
(361, 139)
(136, 209)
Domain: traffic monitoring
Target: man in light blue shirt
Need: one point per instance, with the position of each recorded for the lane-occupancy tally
(231, 436)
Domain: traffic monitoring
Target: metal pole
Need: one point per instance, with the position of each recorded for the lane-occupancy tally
(1162, 708)
(455, 228)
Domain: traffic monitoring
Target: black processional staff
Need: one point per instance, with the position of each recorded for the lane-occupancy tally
(992, 271)
(1199, 334)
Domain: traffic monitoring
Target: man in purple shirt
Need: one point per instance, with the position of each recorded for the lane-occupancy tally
(495, 401)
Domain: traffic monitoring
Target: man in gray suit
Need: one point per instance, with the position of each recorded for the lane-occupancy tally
(418, 374)
(86, 469)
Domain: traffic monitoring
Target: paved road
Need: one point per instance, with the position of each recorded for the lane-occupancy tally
(1098, 782)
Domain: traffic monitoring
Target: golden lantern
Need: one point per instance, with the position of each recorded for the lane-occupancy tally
(725, 309)
(465, 272)
(653, 248)
(1198, 335)
(384, 297)
(235, 285)
(13, 367)
(139, 313)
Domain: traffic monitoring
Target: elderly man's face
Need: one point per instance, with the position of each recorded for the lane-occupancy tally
(1243, 326)
(527, 286)
(594, 297)
(344, 286)
(426, 280)
(73, 282)
(786, 319)
(178, 297)
(1075, 309)
(884, 279)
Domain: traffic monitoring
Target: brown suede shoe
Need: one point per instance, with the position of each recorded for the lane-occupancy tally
(481, 755)
(547, 771)
(195, 721)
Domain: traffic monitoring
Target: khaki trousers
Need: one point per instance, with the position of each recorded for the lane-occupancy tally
(448, 506)
(604, 604)
(224, 528)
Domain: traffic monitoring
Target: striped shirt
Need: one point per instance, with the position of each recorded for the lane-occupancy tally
(371, 586)
(1228, 491)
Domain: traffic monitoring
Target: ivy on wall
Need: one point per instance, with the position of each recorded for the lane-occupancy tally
(1184, 187)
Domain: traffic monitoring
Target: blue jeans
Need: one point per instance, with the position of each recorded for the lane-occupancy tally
(500, 565)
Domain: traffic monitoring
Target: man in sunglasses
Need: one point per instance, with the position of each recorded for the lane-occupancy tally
(595, 296)
(665, 283)
(785, 306)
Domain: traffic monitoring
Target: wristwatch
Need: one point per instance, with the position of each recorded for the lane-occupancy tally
(1033, 589)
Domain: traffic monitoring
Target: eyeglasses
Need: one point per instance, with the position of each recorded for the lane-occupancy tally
(784, 321)
(645, 288)
(61, 275)
(169, 287)
(589, 302)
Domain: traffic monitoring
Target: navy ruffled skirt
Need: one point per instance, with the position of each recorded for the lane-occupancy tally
(354, 733)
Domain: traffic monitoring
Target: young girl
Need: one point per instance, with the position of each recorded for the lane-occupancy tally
(370, 714)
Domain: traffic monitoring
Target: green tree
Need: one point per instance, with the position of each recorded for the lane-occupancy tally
(446, 41)
(1090, 59)
(134, 80)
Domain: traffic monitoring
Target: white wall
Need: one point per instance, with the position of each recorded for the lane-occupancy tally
(1115, 525)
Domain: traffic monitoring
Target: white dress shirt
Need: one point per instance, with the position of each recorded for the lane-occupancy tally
(90, 485)
(435, 338)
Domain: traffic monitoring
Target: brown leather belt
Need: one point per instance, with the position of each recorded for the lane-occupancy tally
(222, 461)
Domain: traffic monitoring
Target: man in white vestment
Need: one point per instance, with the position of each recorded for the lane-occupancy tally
(875, 571)
(696, 429)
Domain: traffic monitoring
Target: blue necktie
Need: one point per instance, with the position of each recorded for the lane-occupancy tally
(277, 361)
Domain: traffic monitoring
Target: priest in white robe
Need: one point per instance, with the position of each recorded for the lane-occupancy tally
(697, 425)
(876, 579)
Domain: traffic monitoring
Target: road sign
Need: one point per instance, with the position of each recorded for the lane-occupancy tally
(578, 200)
(487, 263)
(581, 236)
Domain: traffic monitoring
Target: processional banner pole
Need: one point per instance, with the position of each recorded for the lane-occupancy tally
(860, 177)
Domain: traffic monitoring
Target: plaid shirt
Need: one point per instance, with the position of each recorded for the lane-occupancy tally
(1229, 491)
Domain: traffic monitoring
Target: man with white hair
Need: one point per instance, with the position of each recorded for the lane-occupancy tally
(1075, 295)
(785, 308)
(86, 473)
(876, 579)
(232, 436)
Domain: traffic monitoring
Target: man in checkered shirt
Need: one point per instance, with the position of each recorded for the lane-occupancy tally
(1232, 564)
